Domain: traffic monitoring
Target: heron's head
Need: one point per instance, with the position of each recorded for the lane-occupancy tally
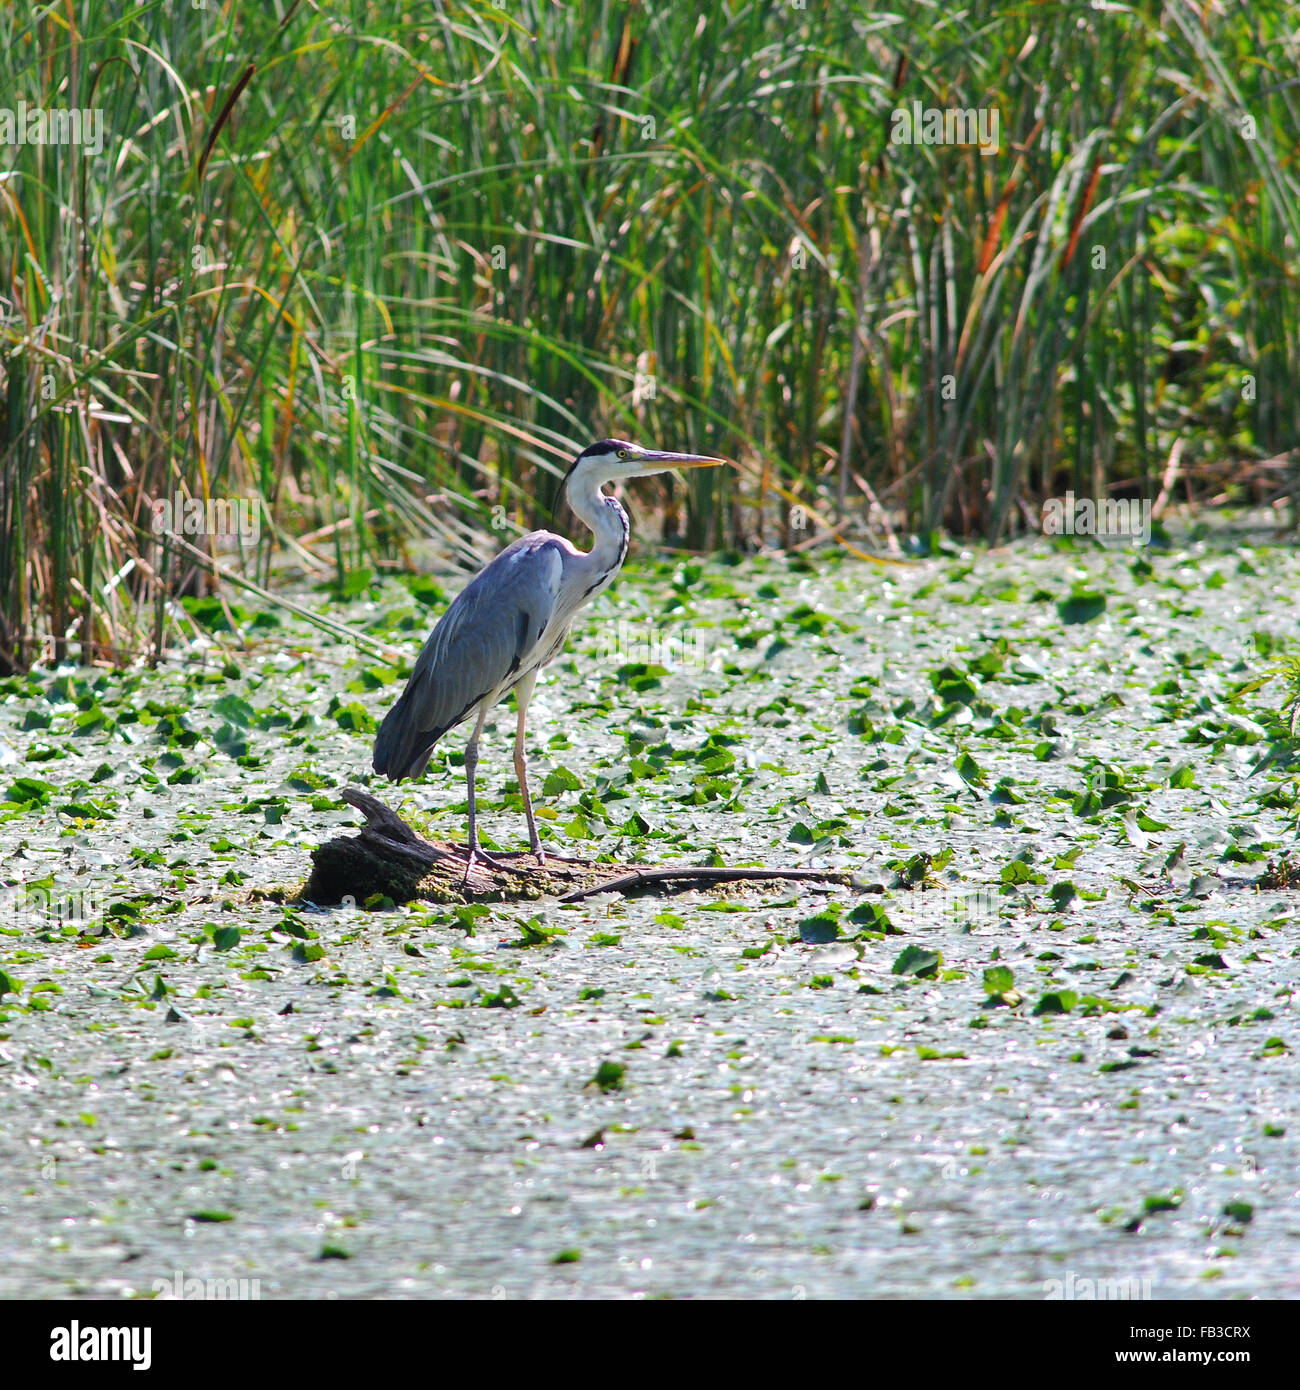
(612, 460)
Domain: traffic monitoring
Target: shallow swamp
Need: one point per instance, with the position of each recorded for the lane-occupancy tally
(1043, 1041)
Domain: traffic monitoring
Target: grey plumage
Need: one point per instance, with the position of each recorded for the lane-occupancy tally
(469, 657)
(511, 620)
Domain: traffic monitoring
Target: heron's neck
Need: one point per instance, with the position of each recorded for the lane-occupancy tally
(608, 524)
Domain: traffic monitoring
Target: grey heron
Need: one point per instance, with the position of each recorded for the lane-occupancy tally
(510, 620)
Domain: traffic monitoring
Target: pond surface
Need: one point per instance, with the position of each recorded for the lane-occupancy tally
(1052, 1039)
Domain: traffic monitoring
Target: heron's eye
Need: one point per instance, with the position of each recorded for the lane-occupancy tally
(622, 453)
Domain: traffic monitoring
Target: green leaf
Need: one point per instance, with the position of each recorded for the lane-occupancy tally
(916, 960)
(1063, 894)
(1081, 607)
(823, 926)
(871, 917)
(998, 979)
(232, 710)
(355, 717)
(609, 1076)
(30, 791)
(559, 780)
(969, 770)
(356, 582)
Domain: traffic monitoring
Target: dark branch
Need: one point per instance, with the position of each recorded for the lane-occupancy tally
(648, 878)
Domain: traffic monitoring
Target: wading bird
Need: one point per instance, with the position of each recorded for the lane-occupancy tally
(510, 620)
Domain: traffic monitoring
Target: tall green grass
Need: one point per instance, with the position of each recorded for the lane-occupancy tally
(384, 269)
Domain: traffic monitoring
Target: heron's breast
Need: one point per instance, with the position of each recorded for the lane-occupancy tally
(553, 646)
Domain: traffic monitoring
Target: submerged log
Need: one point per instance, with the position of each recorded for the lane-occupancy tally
(386, 858)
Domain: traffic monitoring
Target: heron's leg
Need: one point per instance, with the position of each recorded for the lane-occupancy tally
(524, 693)
(474, 852)
(471, 763)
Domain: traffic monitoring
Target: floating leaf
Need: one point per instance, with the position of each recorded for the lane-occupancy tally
(998, 979)
(1063, 894)
(30, 791)
(1081, 607)
(823, 926)
(609, 1076)
(916, 960)
(969, 770)
(871, 917)
(560, 779)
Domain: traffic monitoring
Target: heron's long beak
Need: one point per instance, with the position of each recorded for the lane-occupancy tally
(656, 461)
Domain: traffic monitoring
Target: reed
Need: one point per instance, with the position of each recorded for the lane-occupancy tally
(379, 271)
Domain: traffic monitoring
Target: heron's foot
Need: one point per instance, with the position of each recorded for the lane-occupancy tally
(480, 856)
(476, 855)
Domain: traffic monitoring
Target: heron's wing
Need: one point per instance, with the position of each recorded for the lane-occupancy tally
(487, 636)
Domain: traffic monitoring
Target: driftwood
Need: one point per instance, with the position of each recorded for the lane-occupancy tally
(387, 858)
(686, 875)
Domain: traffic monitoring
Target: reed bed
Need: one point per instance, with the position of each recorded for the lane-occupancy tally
(376, 272)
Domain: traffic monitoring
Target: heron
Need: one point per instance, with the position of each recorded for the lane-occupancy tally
(510, 620)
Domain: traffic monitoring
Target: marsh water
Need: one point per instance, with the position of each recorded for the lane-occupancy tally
(1046, 1042)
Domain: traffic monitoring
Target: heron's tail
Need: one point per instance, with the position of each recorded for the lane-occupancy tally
(401, 748)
